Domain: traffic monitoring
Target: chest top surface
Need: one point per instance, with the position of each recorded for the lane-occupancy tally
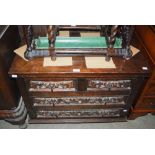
(136, 65)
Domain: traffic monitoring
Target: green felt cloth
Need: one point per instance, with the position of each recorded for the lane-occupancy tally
(76, 42)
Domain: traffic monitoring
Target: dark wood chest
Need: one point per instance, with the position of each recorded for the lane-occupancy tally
(59, 94)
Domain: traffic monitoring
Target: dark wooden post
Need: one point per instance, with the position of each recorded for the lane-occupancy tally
(52, 32)
(28, 33)
(127, 32)
(111, 40)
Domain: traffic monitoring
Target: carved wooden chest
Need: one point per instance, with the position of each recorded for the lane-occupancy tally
(60, 95)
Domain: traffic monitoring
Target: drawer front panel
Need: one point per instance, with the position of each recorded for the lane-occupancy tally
(78, 85)
(112, 85)
(87, 113)
(54, 86)
(65, 101)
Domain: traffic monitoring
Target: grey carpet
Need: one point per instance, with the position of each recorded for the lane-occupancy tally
(145, 122)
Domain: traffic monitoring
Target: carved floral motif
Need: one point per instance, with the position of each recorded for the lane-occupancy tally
(109, 85)
(50, 85)
(80, 101)
(80, 113)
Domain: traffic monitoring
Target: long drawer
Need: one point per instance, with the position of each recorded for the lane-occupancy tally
(82, 113)
(78, 101)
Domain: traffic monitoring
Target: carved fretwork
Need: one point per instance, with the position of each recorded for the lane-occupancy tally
(52, 86)
(79, 101)
(109, 85)
(99, 113)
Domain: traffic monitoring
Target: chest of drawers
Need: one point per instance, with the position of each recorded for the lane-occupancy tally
(60, 95)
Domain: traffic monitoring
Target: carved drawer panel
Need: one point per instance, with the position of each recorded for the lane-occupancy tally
(109, 85)
(55, 86)
(82, 113)
(64, 101)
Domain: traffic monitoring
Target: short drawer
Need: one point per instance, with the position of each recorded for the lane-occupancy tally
(71, 101)
(79, 84)
(82, 113)
(110, 85)
(54, 86)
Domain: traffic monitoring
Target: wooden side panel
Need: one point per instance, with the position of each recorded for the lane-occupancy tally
(146, 101)
(147, 35)
(9, 40)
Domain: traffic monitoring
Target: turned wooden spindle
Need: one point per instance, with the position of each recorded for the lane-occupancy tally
(127, 32)
(28, 34)
(111, 41)
(51, 38)
(130, 34)
(112, 38)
